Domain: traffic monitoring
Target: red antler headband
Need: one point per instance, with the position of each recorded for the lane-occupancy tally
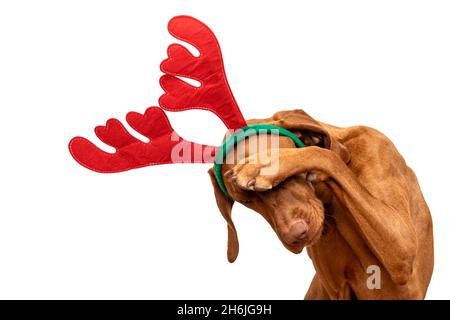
(214, 95)
(165, 146)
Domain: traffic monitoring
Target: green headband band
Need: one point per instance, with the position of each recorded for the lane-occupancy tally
(241, 134)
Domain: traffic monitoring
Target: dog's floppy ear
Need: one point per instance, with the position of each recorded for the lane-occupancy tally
(225, 205)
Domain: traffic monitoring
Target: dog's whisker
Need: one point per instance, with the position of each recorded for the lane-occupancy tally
(329, 217)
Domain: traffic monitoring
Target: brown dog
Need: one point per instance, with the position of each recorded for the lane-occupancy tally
(349, 197)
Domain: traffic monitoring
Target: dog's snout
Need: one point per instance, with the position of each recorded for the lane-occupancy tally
(297, 232)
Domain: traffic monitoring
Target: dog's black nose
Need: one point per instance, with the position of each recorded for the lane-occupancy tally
(298, 232)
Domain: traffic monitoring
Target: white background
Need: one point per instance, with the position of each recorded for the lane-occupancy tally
(67, 66)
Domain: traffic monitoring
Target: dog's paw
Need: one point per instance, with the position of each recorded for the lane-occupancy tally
(253, 175)
(247, 176)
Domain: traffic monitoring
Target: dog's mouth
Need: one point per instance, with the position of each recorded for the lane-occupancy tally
(298, 245)
(295, 248)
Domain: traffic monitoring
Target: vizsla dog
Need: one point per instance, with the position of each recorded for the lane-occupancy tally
(349, 198)
(344, 193)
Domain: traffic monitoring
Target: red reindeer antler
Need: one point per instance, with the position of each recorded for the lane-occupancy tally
(214, 94)
(165, 146)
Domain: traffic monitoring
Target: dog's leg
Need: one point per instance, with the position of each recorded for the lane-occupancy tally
(316, 290)
(383, 222)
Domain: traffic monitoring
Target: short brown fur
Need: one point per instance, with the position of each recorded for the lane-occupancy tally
(349, 197)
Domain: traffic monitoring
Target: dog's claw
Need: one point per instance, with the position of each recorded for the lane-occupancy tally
(311, 177)
(228, 173)
(262, 188)
(316, 139)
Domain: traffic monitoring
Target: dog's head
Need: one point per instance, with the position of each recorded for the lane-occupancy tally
(295, 207)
